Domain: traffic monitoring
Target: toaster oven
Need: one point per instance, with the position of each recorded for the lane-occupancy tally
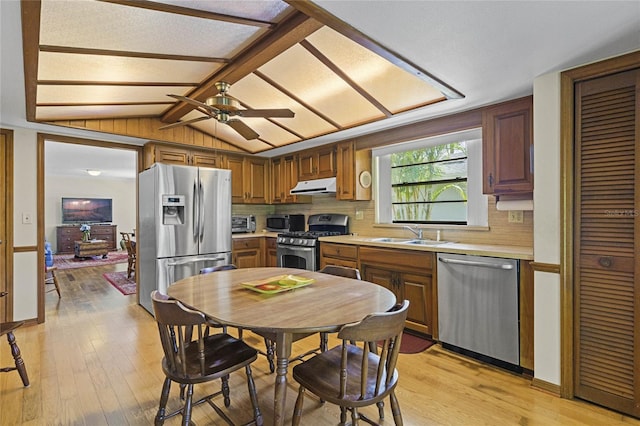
(243, 223)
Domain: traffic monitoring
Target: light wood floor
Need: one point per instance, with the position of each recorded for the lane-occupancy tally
(96, 361)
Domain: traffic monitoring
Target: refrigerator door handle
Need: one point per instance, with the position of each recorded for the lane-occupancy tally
(195, 212)
(201, 212)
(194, 260)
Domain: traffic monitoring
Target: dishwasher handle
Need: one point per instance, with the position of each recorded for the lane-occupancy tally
(505, 266)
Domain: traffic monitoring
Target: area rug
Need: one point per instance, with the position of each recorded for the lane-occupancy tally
(412, 344)
(120, 281)
(69, 261)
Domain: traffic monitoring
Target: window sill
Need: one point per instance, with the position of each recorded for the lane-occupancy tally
(432, 226)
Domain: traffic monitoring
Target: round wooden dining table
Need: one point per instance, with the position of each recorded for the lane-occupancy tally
(325, 305)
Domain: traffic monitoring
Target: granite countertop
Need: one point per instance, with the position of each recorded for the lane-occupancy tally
(511, 252)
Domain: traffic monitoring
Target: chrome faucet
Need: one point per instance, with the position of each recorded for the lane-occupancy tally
(415, 230)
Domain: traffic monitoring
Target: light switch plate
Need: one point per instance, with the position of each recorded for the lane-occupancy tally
(359, 215)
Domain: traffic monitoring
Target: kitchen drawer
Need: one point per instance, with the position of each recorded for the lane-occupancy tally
(401, 258)
(339, 250)
(245, 243)
(272, 243)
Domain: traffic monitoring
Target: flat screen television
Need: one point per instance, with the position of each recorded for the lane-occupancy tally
(86, 210)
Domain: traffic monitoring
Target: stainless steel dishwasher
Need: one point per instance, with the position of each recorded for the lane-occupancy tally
(478, 305)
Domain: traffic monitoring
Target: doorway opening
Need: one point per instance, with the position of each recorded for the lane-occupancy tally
(84, 170)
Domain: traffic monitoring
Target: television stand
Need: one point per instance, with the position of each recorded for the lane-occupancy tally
(67, 235)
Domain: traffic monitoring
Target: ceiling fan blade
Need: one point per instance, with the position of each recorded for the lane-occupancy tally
(244, 130)
(282, 112)
(183, 123)
(194, 102)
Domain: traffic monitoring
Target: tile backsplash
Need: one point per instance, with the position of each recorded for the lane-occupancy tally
(499, 232)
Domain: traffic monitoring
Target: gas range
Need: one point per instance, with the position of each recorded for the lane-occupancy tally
(303, 238)
(301, 249)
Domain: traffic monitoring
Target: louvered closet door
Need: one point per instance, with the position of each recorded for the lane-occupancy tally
(607, 208)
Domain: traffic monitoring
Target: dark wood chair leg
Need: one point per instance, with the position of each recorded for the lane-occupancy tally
(257, 415)
(395, 409)
(297, 410)
(15, 351)
(164, 397)
(226, 391)
(188, 406)
(270, 354)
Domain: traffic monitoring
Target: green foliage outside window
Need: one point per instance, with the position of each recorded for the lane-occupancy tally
(429, 185)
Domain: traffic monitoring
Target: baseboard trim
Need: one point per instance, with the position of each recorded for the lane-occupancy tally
(546, 386)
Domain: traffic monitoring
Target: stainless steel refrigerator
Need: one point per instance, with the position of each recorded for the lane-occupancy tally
(184, 224)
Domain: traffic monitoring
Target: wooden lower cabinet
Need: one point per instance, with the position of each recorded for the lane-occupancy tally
(247, 253)
(408, 275)
(338, 254)
(270, 254)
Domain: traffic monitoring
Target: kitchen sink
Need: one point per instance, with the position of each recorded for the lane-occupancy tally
(425, 242)
(390, 240)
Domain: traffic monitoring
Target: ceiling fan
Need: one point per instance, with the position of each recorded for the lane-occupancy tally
(223, 106)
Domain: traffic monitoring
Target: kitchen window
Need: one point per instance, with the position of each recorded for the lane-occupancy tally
(435, 181)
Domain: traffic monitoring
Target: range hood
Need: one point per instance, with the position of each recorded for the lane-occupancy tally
(316, 186)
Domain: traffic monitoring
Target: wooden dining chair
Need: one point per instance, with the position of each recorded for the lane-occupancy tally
(205, 358)
(129, 245)
(269, 352)
(52, 279)
(351, 375)
(8, 328)
(341, 271)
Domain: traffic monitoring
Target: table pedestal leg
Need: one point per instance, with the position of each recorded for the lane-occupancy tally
(283, 352)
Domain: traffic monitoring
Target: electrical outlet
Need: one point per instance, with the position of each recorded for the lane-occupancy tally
(359, 215)
(516, 216)
(26, 218)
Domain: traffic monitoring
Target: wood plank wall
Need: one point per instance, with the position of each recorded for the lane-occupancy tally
(148, 128)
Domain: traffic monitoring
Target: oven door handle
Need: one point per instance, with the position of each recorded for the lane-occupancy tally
(297, 248)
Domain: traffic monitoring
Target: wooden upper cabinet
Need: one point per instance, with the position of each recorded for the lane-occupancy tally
(284, 176)
(317, 163)
(256, 180)
(353, 176)
(507, 142)
(345, 182)
(277, 184)
(249, 179)
(236, 165)
(172, 154)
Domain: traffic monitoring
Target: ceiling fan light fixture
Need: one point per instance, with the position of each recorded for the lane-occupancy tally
(93, 172)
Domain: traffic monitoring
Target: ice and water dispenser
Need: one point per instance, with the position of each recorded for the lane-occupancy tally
(173, 209)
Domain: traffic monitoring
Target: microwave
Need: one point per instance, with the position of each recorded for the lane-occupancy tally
(285, 222)
(243, 223)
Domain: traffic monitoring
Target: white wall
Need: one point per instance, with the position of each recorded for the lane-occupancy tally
(25, 264)
(121, 191)
(546, 226)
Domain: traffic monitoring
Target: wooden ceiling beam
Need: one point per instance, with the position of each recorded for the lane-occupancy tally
(291, 31)
(30, 39)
